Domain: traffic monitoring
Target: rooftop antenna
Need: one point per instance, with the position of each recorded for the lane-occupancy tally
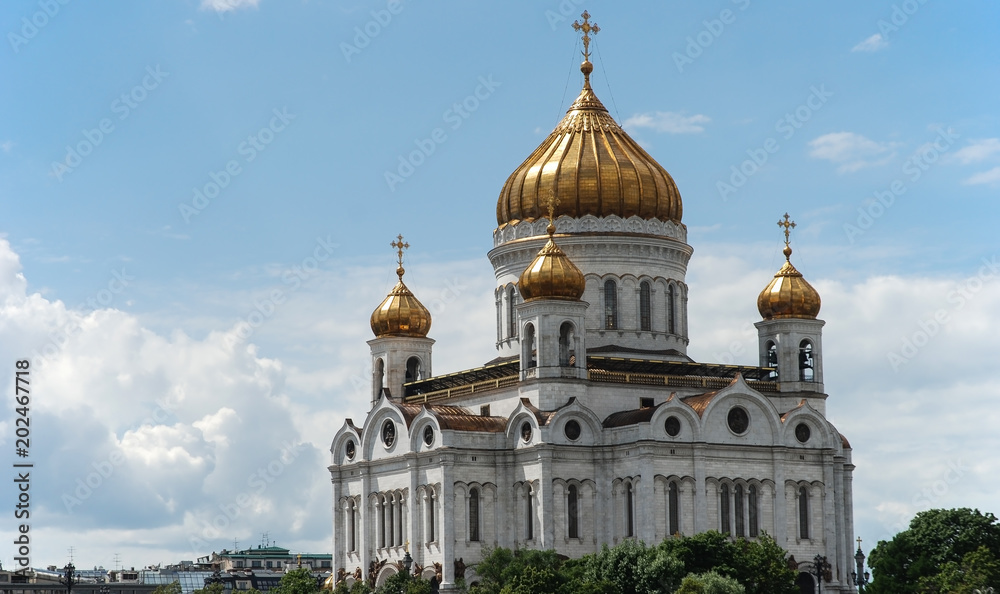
(117, 561)
(70, 554)
(236, 545)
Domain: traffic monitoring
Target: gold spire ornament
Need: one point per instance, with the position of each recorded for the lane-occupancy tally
(591, 165)
(788, 295)
(400, 313)
(587, 29)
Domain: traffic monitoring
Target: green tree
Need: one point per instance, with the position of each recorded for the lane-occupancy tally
(173, 587)
(214, 588)
(297, 581)
(977, 571)
(710, 583)
(402, 582)
(936, 541)
(503, 567)
(635, 568)
(762, 568)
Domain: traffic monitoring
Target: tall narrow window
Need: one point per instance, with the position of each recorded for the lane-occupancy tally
(740, 516)
(474, 515)
(752, 505)
(529, 530)
(671, 312)
(528, 346)
(511, 314)
(352, 523)
(573, 526)
(413, 371)
(379, 380)
(673, 501)
(772, 359)
(629, 510)
(565, 344)
(381, 533)
(645, 319)
(388, 526)
(803, 513)
(430, 517)
(806, 362)
(724, 509)
(610, 305)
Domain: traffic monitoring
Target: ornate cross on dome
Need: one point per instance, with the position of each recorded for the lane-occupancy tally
(553, 202)
(587, 29)
(400, 246)
(787, 224)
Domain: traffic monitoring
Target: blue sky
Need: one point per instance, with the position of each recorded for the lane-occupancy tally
(116, 115)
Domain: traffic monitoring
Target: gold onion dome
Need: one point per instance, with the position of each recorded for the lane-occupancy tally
(400, 313)
(551, 275)
(591, 166)
(788, 295)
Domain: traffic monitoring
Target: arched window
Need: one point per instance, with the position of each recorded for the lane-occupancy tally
(379, 380)
(673, 502)
(806, 361)
(629, 510)
(430, 516)
(610, 305)
(352, 526)
(528, 346)
(740, 517)
(724, 509)
(511, 314)
(565, 344)
(474, 515)
(671, 311)
(529, 529)
(772, 358)
(752, 505)
(413, 371)
(390, 524)
(803, 513)
(382, 512)
(645, 294)
(572, 512)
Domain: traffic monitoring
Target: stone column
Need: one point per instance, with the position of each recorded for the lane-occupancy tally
(700, 498)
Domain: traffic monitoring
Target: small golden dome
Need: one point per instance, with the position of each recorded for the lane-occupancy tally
(788, 295)
(551, 275)
(591, 167)
(329, 583)
(400, 313)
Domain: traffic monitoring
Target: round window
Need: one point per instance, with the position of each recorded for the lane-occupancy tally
(349, 449)
(526, 431)
(572, 430)
(388, 433)
(672, 426)
(802, 432)
(428, 435)
(739, 420)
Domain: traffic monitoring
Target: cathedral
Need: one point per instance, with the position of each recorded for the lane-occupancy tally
(592, 425)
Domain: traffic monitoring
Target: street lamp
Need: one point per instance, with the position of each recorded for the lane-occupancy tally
(860, 577)
(70, 578)
(820, 567)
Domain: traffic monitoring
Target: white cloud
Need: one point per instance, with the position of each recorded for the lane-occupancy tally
(851, 151)
(872, 44)
(668, 121)
(991, 177)
(978, 151)
(7, 145)
(227, 5)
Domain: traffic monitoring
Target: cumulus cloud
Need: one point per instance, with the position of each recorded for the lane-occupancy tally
(670, 122)
(228, 5)
(978, 151)
(872, 44)
(851, 151)
(991, 177)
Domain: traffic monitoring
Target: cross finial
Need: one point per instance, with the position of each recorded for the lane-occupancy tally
(788, 225)
(553, 201)
(400, 246)
(859, 543)
(587, 29)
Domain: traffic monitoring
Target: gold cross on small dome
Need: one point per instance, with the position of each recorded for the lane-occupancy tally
(400, 246)
(787, 224)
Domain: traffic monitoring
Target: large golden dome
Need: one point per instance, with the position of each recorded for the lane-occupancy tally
(592, 167)
(788, 295)
(551, 275)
